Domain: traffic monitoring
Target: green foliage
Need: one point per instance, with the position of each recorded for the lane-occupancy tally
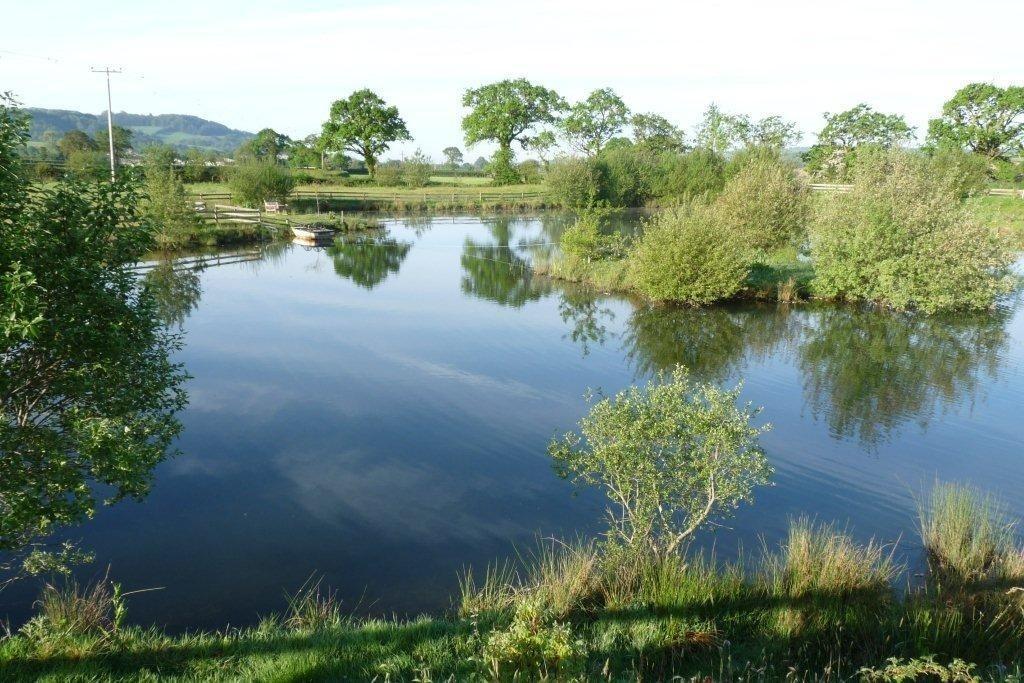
(683, 177)
(529, 172)
(388, 175)
(966, 171)
(773, 132)
(765, 204)
(122, 141)
(254, 181)
(363, 123)
(591, 123)
(983, 118)
(88, 165)
(534, 642)
(265, 146)
(452, 156)
(505, 112)
(626, 173)
(196, 170)
(76, 326)
(585, 240)
(671, 457)
(818, 559)
(657, 133)
(897, 670)
(689, 255)
(502, 171)
(416, 170)
(903, 238)
(76, 141)
(834, 155)
(574, 183)
(167, 206)
(718, 132)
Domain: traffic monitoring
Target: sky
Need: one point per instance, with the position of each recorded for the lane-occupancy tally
(258, 64)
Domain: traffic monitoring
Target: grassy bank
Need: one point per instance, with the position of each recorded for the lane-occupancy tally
(442, 196)
(780, 276)
(819, 606)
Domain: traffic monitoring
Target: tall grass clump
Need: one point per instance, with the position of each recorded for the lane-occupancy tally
(967, 536)
(688, 255)
(904, 238)
(313, 607)
(818, 560)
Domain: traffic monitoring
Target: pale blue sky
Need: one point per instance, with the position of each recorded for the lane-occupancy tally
(280, 64)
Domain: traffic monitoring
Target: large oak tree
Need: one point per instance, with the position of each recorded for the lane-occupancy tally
(365, 124)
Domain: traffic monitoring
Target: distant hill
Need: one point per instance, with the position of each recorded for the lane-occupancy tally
(179, 130)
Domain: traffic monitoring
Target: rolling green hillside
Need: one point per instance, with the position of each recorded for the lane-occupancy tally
(180, 130)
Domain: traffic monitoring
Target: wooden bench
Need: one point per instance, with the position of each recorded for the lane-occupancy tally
(274, 207)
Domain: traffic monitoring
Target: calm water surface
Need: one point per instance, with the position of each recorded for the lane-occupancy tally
(377, 413)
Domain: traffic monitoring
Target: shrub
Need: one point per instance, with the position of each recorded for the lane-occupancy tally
(417, 169)
(501, 168)
(529, 171)
(388, 175)
(688, 255)
(625, 174)
(253, 182)
(903, 238)
(966, 172)
(574, 183)
(584, 239)
(681, 177)
(671, 456)
(765, 203)
(86, 164)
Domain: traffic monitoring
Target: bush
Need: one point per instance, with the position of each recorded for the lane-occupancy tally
(688, 255)
(253, 182)
(966, 172)
(417, 169)
(584, 239)
(626, 173)
(501, 169)
(574, 183)
(388, 175)
(86, 164)
(529, 171)
(168, 207)
(765, 203)
(681, 177)
(904, 239)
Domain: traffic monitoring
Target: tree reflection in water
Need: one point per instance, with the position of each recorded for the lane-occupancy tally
(495, 272)
(176, 292)
(869, 372)
(368, 259)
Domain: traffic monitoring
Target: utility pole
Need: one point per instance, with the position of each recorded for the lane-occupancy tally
(110, 117)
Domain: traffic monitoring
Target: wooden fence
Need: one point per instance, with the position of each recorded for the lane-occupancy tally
(383, 194)
(992, 191)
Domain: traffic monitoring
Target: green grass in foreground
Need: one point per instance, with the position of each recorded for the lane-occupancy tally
(821, 606)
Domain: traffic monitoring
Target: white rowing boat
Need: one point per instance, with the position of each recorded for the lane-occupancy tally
(312, 233)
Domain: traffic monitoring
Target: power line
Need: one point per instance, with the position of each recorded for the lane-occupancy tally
(110, 117)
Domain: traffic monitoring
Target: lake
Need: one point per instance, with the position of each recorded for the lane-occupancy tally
(377, 414)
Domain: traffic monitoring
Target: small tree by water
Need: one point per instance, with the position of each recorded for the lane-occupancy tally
(671, 456)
